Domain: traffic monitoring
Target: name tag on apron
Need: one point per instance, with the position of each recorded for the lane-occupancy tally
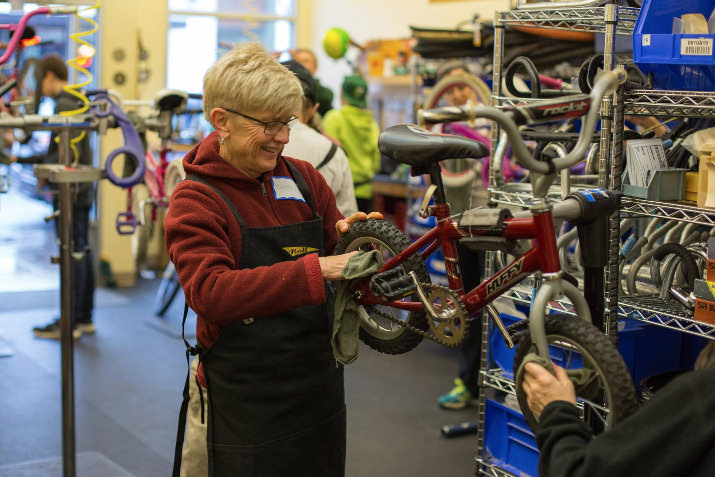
(285, 188)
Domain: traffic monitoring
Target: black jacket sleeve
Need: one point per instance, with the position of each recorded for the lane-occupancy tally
(672, 435)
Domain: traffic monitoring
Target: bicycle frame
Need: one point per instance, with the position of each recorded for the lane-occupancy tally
(538, 227)
(543, 257)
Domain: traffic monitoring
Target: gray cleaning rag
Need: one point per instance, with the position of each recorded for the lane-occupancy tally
(346, 325)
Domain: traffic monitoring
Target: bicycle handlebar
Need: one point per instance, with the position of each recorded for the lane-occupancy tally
(132, 148)
(568, 106)
(20, 27)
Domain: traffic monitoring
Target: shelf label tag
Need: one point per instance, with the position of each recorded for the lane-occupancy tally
(696, 46)
(645, 40)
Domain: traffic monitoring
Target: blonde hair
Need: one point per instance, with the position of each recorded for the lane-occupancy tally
(248, 79)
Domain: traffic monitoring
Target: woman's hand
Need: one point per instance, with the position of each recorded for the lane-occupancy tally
(542, 387)
(343, 225)
(332, 266)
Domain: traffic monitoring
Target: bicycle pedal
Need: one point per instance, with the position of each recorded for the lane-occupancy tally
(392, 285)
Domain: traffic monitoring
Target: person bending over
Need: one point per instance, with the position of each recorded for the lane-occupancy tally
(671, 435)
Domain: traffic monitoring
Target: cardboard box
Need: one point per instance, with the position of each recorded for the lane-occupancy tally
(710, 271)
(691, 187)
(706, 180)
(710, 266)
(705, 311)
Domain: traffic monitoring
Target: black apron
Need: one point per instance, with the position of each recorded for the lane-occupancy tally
(276, 403)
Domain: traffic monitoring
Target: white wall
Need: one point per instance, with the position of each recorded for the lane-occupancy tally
(384, 19)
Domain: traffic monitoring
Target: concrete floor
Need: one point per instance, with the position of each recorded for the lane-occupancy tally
(129, 377)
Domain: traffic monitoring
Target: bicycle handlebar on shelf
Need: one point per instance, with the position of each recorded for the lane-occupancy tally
(19, 27)
(568, 106)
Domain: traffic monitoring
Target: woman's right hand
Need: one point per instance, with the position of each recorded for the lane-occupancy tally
(332, 265)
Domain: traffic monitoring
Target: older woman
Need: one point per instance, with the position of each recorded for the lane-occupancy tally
(250, 233)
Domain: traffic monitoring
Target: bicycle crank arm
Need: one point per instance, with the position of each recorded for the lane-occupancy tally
(429, 308)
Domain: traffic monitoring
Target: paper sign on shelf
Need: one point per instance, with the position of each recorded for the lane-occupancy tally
(644, 157)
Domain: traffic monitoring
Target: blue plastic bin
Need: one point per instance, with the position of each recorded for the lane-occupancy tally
(504, 357)
(498, 352)
(509, 440)
(677, 61)
(649, 349)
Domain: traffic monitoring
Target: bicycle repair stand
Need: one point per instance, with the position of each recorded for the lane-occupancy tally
(64, 176)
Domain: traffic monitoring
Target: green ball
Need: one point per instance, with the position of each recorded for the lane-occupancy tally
(336, 43)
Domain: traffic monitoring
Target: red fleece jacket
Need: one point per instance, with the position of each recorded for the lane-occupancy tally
(203, 239)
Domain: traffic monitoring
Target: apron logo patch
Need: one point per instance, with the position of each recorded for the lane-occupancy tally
(295, 251)
(285, 188)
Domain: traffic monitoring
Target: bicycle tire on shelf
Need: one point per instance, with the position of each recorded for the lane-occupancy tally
(367, 235)
(483, 93)
(614, 374)
(168, 289)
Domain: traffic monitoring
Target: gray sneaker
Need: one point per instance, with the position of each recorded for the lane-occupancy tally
(85, 328)
(52, 331)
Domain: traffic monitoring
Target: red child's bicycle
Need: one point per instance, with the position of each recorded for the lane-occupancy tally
(399, 304)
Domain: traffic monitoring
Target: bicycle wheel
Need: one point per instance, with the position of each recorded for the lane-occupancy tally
(174, 174)
(168, 288)
(461, 172)
(607, 394)
(377, 331)
(141, 206)
(480, 88)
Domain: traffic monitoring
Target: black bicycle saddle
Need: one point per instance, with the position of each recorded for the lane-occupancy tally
(170, 100)
(415, 146)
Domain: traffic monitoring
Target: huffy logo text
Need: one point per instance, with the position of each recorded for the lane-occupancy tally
(295, 251)
(501, 280)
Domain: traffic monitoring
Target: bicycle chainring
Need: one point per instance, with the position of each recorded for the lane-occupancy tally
(448, 329)
(451, 325)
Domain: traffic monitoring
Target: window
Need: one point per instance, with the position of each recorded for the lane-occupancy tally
(204, 29)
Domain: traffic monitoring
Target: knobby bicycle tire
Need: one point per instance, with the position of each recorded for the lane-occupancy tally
(168, 288)
(618, 395)
(378, 234)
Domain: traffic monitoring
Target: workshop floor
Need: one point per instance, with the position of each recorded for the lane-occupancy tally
(129, 377)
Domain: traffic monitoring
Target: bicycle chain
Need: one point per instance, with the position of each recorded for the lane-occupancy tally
(428, 287)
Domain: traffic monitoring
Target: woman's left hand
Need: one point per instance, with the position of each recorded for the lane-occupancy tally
(343, 225)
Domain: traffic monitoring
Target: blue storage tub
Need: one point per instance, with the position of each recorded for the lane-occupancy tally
(677, 61)
(649, 349)
(498, 352)
(504, 357)
(509, 440)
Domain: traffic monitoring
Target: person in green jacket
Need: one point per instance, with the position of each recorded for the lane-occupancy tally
(353, 125)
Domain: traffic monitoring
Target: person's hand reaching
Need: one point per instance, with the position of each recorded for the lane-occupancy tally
(542, 387)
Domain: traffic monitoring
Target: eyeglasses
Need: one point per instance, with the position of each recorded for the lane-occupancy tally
(270, 128)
